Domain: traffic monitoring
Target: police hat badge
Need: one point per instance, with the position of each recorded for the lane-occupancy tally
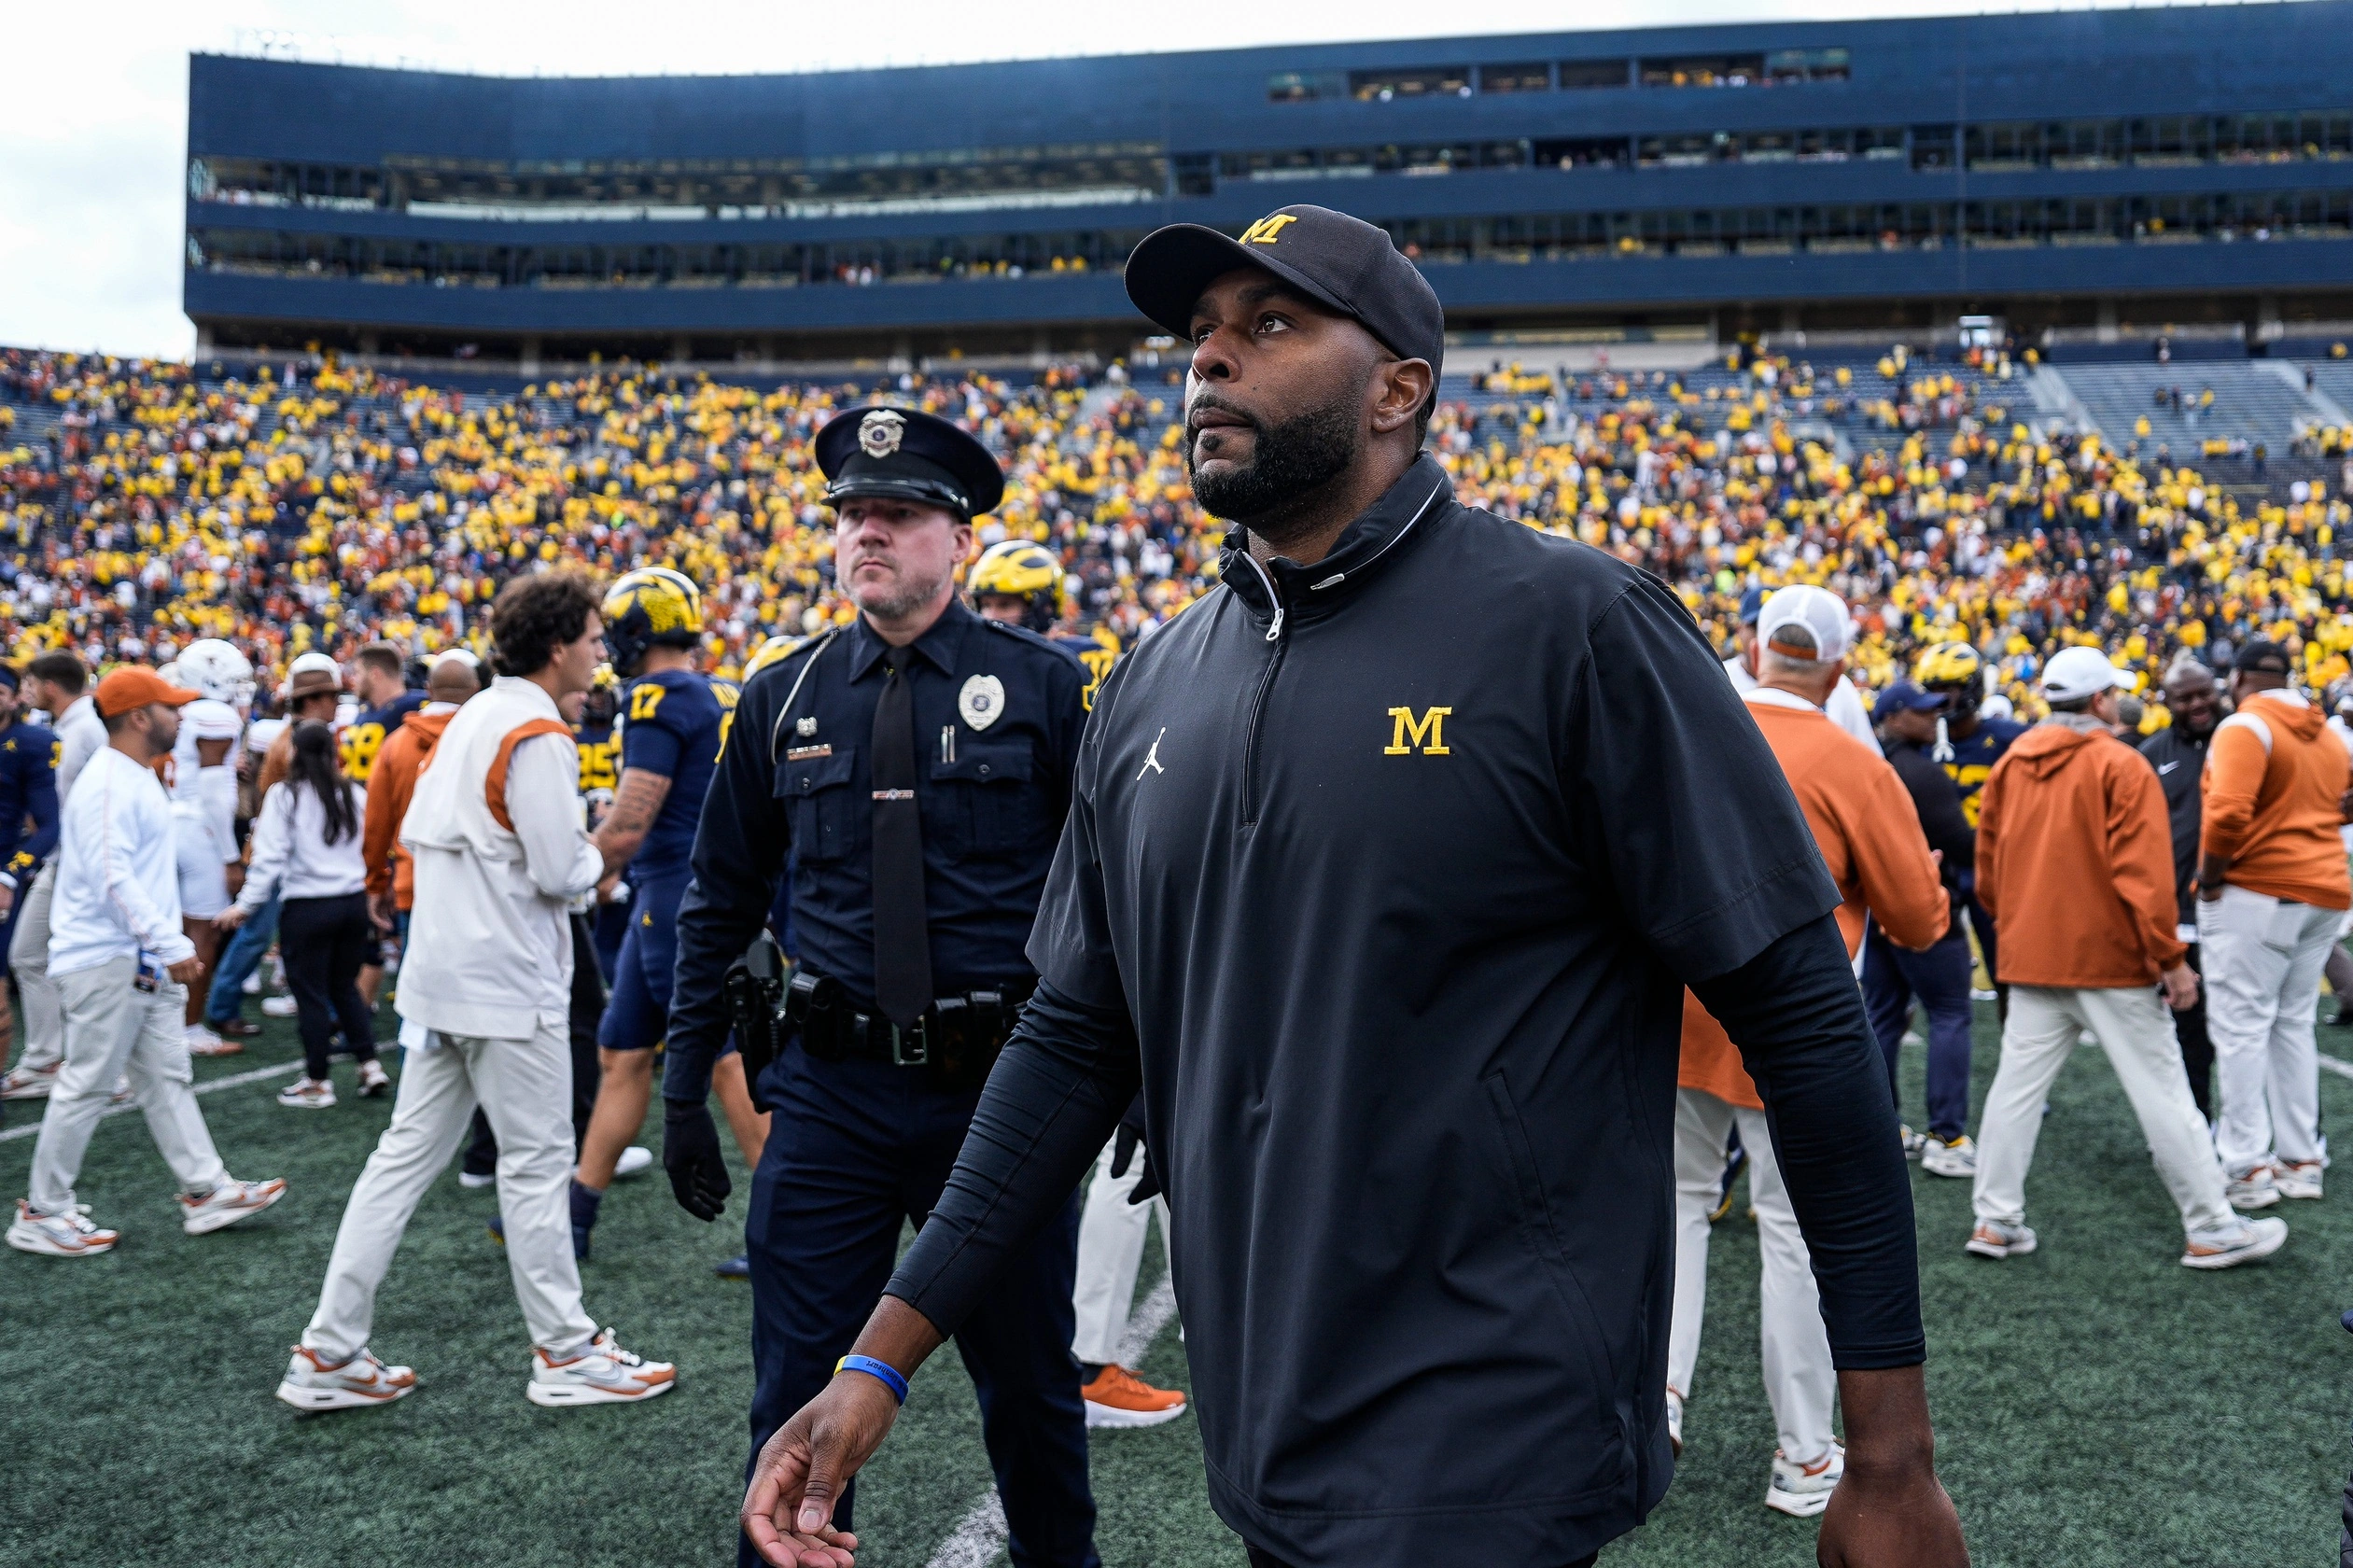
(981, 701)
(880, 432)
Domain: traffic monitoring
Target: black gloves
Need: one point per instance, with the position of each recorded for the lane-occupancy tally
(690, 1152)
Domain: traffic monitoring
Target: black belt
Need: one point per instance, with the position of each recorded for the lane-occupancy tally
(958, 1037)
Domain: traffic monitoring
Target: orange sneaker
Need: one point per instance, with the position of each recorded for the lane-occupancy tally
(1117, 1397)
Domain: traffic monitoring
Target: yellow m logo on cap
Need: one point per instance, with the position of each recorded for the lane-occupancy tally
(1267, 230)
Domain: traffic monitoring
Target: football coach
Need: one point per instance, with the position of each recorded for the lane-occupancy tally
(1385, 868)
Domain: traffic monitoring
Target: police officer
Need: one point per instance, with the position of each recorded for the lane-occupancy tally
(914, 767)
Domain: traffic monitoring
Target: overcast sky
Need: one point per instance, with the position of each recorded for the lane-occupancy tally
(94, 136)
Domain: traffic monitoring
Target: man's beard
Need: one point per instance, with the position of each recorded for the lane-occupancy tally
(905, 596)
(1287, 461)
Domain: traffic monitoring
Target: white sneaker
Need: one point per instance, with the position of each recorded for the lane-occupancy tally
(1803, 1491)
(2227, 1246)
(308, 1094)
(374, 1083)
(635, 1160)
(278, 1007)
(252, 986)
(227, 1203)
(1914, 1142)
(67, 1235)
(29, 1083)
(1674, 1422)
(2297, 1177)
(473, 1182)
(601, 1374)
(1956, 1158)
(202, 1041)
(311, 1384)
(2257, 1189)
(1993, 1240)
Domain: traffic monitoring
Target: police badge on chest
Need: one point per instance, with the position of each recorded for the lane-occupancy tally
(981, 701)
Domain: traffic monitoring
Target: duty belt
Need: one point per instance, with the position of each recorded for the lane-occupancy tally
(958, 1037)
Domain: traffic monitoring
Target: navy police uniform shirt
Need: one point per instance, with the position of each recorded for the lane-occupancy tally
(365, 735)
(1398, 865)
(998, 717)
(670, 724)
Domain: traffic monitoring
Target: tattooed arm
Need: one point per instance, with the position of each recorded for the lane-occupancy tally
(635, 805)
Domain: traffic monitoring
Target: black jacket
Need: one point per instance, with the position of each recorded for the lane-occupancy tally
(1384, 877)
(2180, 765)
(1937, 799)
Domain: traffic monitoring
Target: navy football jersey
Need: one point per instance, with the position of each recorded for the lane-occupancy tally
(365, 735)
(673, 723)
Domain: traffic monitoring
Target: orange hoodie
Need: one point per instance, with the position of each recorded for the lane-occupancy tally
(389, 787)
(2075, 861)
(2273, 776)
(1870, 836)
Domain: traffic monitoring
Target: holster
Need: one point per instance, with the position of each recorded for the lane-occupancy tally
(755, 992)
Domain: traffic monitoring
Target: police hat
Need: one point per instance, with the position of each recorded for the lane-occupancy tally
(1340, 261)
(909, 455)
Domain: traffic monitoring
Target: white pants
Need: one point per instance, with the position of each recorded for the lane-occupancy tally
(2263, 961)
(44, 1025)
(1111, 1238)
(524, 1087)
(112, 1026)
(1800, 1380)
(2134, 1028)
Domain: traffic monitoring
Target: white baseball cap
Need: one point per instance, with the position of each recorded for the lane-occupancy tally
(2074, 674)
(465, 656)
(1821, 612)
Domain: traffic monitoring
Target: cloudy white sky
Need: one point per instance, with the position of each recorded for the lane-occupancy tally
(93, 133)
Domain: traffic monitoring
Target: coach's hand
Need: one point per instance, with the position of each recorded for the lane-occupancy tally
(690, 1152)
(1889, 1511)
(788, 1512)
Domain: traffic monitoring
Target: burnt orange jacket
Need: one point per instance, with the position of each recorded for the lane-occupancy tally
(389, 787)
(1870, 836)
(2274, 773)
(2075, 862)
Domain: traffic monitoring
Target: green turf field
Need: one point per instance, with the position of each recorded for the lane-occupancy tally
(2096, 1404)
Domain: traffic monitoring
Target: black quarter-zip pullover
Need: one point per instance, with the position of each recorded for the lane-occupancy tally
(1383, 878)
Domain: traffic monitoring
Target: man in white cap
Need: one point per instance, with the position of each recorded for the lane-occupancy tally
(1798, 604)
(2075, 862)
(1874, 848)
(204, 833)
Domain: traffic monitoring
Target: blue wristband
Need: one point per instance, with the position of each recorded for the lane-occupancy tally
(873, 1369)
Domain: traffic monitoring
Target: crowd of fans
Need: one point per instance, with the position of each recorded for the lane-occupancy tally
(309, 505)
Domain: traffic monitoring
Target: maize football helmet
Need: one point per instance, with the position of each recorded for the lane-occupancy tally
(652, 607)
(1024, 570)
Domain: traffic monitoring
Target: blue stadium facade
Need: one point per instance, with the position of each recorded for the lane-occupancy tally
(2076, 170)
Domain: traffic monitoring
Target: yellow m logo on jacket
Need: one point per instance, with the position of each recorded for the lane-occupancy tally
(1427, 733)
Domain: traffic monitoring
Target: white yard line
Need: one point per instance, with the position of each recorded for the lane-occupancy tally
(255, 1076)
(1146, 1323)
(979, 1536)
(977, 1539)
(2337, 1065)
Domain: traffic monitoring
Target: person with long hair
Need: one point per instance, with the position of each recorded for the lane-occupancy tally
(306, 853)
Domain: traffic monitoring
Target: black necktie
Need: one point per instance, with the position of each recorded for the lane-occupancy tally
(902, 936)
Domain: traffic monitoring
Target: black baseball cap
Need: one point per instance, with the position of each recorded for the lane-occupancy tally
(1338, 261)
(2264, 655)
(909, 455)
